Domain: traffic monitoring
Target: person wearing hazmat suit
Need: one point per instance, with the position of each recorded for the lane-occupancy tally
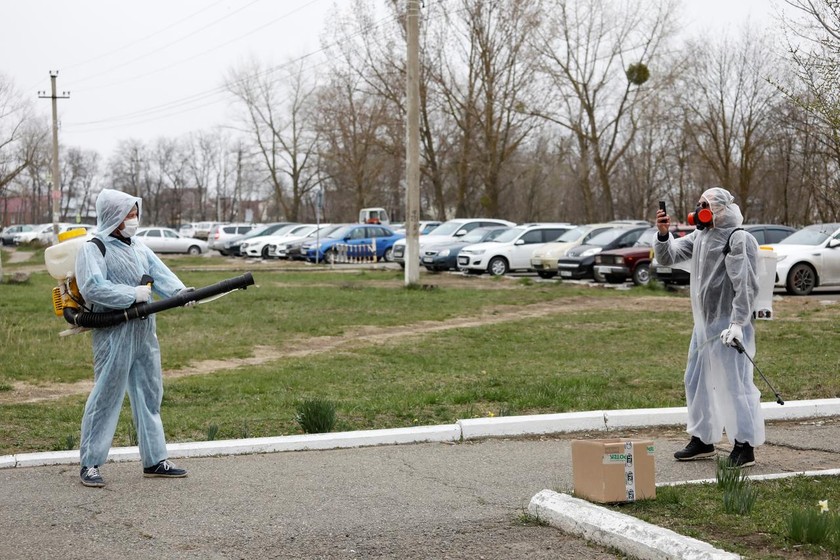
(126, 357)
(719, 388)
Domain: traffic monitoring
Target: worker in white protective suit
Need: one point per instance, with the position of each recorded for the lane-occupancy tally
(126, 357)
(719, 387)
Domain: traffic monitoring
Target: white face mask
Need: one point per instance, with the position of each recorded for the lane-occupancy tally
(130, 228)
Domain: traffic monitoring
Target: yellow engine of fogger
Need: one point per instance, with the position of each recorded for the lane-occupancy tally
(61, 264)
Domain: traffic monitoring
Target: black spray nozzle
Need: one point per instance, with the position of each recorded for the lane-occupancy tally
(740, 348)
(146, 280)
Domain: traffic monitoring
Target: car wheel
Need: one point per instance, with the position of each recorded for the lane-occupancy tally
(388, 255)
(801, 280)
(546, 274)
(194, 250)
(641, 276)
(265, 254)
(598, 277)
(497, 266)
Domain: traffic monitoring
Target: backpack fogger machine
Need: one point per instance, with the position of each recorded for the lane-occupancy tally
(68, 302)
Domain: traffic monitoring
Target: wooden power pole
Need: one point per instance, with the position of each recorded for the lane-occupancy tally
(412, 175)
(55, 195)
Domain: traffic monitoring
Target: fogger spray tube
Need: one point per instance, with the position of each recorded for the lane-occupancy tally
(141, 311)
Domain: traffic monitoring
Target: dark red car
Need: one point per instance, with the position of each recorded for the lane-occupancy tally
(618, 265)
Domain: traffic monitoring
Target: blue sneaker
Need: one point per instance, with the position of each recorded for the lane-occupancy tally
(164, 469)
(91, 477)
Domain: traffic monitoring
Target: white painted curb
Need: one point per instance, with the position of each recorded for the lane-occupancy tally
(632, 536)
(467, 429)
(474, 428)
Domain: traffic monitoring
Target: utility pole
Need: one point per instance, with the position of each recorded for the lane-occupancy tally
(412, 174)
(55, 195)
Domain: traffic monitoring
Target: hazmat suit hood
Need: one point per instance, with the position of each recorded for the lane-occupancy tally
(726, 213)
(111, 209)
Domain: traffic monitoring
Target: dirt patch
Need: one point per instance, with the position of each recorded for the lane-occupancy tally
(27, 393)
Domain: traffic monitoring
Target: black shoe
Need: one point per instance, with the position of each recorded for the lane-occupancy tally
(91, 477)
(164, 469)
(742, 455)
(695, 449)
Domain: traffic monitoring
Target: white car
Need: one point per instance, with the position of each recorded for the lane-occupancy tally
(261, 246)
(808, 258)
(43, 233)
(511, 250)
(165, 240)
(544, 258)
(447, 231)
(290, 247)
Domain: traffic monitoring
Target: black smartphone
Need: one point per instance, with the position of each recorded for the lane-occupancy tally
(662, 205)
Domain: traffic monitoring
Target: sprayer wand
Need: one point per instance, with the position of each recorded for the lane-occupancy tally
(740, 348)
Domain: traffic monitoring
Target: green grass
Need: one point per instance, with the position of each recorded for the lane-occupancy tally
(598, 357)
(698, 511)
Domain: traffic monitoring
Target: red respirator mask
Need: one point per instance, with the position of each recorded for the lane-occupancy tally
(701, 218)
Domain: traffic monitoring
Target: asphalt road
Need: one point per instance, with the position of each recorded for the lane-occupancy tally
(458, 501)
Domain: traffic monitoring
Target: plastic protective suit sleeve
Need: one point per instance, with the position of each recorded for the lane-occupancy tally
(126, 357)
(720, 391)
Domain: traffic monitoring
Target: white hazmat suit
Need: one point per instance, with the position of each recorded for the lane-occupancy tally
(719, 387)
(126, 357)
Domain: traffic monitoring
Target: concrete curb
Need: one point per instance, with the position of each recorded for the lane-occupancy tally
(632, 536)
(467, 429)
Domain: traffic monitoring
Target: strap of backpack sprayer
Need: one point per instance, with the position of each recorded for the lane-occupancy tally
(726, 248)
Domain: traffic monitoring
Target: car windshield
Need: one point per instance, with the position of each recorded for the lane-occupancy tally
(646, 239)
(811, 235)
(273, 229)
(509, 235)
(340, 233)
(323, 232)
(572, 235)
(606, 237)
(448, 228)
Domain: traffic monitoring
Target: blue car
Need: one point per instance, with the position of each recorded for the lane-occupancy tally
(354, 243)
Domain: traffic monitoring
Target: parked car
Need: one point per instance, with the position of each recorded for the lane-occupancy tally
(424, 226)
(222, 233)
(260, 246)
(357, 240)
(233, 246)
(292, 249)
(511, 250)
(677, 273)
(444, 256)
(809, 258)
(579, 261)
(618, 265)
(767, 234)
(544, 258)
(447, 231)
(166, 240)
(201, 230)
(42, 234)
(8, 234)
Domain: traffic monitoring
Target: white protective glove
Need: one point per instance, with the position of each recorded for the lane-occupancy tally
(730, 335)
(142, 294)
(187, 290)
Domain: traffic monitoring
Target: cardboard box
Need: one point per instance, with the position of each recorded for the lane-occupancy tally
(613, 470)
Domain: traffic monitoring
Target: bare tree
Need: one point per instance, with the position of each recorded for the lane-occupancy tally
(79, 178)
(729, 104)
(597, 55)
(276, 107)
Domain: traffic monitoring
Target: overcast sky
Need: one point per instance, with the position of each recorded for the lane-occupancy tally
(155, 68)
